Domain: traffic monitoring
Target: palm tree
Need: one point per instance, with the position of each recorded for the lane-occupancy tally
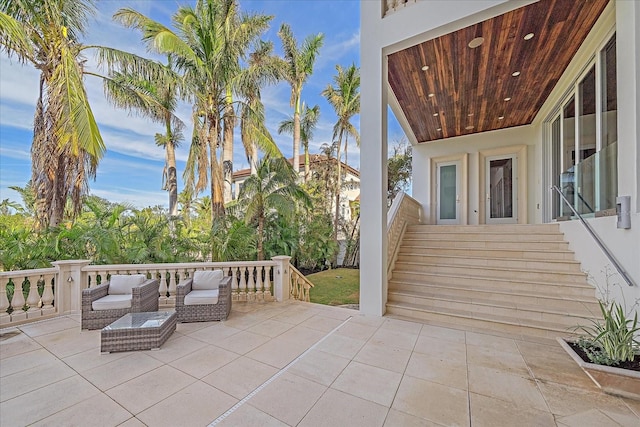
(208, 42)
(272, 189)
(263, 68)
(157, 100)
(308, 123)
(344, 97)
(297, 67)
(67, 144)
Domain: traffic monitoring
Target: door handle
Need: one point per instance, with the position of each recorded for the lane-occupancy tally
(457, 198)
(488, 196)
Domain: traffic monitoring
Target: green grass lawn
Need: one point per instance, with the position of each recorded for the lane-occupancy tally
(336, 287)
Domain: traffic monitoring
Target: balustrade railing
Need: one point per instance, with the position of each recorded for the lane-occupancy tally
(300, 285)
(404, 211)
(28, 295)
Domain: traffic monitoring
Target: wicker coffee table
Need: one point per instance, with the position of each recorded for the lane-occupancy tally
(138, 331)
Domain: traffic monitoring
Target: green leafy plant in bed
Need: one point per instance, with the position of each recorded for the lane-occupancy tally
(612, 341)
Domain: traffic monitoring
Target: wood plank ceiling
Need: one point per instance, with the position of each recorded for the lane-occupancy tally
(469, 90)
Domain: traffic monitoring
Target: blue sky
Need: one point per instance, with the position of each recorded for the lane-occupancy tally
(131, 170)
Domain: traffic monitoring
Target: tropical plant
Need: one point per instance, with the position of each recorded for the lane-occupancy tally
(271, 192)
(398, 170)
(308, 123)
(208, 42)
(344, 97)
(67, 144)
(156, 100)
(296, 68)
(611, 341)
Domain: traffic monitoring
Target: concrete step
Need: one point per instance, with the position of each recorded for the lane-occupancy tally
(512, 297)
(534, 287)
(511, 228)
(492, 272)
(550, 265)
(489, 236)
(489, 252)
(492, 322)
(567, 319)
(541, 245)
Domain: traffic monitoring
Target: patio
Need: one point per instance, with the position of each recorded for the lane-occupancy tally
(297, 363)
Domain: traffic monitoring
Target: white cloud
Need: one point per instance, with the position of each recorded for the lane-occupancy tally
(332, 52)
(139, 199)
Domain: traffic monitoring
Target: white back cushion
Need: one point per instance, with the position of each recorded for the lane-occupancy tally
(206, 280)
(121, 284)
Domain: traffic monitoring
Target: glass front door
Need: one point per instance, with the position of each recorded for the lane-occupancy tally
(501, 196)
(448, 203)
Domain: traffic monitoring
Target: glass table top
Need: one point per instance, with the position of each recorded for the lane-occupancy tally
(140, 320)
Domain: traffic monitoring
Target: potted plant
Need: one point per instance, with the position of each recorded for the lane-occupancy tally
(608, 351)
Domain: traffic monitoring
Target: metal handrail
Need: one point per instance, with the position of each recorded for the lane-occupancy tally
(602, 246)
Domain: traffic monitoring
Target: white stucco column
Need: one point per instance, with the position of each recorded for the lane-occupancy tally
(628, 70)
(71, 282)
(373, 166)
(281, 278)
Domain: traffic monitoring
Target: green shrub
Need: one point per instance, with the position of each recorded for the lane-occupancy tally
(612, 341)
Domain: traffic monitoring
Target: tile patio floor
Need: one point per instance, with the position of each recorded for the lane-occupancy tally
(368, 372)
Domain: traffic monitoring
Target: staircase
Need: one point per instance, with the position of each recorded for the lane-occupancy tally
(514, 280)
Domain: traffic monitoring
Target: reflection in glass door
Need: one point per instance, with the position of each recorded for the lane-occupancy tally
(448, 185)
(501, 193)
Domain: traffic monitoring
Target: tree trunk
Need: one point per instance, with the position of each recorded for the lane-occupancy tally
(338, 186)
(227, 150)
(260, 238)
(296, 137)
(217, 200)
(253, 160)
(172, 176)
(306, 162)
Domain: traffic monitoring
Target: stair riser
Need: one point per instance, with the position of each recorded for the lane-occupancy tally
(480, 244)
(568, 267)
(563, 321)
(494, 273)
(470, 323)
(494, 254)
(474, 295)
(489, 237)
(553, 289)
(505, 228)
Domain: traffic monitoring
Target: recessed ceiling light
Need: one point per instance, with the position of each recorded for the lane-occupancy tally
(476, 42)
(515, 73)
(470, 114)
(435, 114)
(507, 99)
(431, 95)
(529, 36)
(501, 117)
(425, 67)
(469, 127)
(439, 129)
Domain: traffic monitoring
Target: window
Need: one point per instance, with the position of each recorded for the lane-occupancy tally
(582, 144)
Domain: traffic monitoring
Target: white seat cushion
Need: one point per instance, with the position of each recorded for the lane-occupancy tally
(206, 280)
(198, 297)
(112, 302)
(121, 284)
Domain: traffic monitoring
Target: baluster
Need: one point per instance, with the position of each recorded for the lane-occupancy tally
(103, 276)
(4, 301)
(47, 295)
(244, 295)
(235, 293)
(268, 296)
(163, 287)
(17, 302)
(172, 287)
(91, 277)
(33, 298)
(251, 284)
(259, 288)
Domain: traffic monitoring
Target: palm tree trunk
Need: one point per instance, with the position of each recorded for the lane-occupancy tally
(260, 237)
(227, 150)
(253, 160)
(172, 176)
(306, 161)
(217, 200)
(338, 186)
(296, 136)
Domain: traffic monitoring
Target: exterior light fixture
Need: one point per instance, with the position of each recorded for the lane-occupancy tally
(431, 95)
(476, 42)
(507, 98)
(515, 73)
(435, 114)
(469, 127)
(425, 67)
(501, 117)
(529, 36)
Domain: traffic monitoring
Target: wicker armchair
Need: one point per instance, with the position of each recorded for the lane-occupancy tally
(203, 312)
(144, 298)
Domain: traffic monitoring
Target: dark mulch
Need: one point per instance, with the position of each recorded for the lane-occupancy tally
(633, 365)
